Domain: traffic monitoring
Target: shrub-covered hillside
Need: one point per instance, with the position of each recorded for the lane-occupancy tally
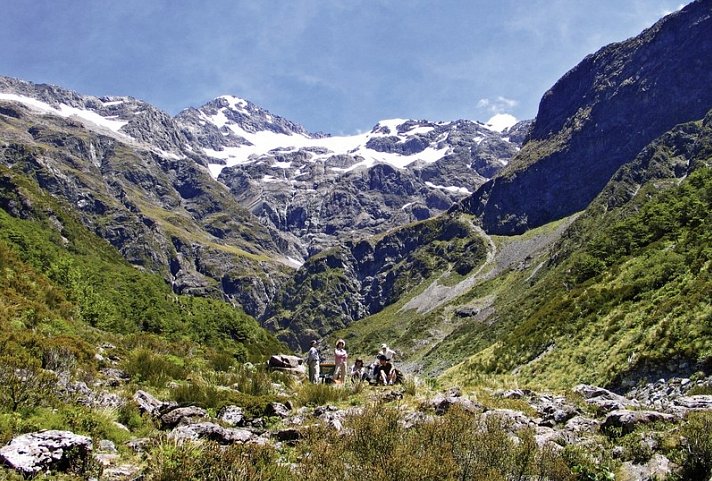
(627, 294)
(59, 278)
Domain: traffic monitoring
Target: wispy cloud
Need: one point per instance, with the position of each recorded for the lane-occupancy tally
(498, 105)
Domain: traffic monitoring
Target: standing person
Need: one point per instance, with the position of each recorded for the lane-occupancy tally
(340, 357)
(313, 359)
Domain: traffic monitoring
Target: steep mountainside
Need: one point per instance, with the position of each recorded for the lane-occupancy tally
(326, 189)
(338, 286)
(613, 296)
(598, 117)
(62, 285)
(134, 181)
(626, 295)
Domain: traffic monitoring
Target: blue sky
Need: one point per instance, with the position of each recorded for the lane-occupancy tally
(337, 66)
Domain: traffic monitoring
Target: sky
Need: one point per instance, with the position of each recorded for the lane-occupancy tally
(336, 66)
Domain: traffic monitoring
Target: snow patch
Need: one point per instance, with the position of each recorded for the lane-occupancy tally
(452, 188)
(67, 111)
(499, 122)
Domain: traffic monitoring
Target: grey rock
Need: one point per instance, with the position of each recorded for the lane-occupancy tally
(277, 409)
(46, 450)
(232, 415)
(151, 405)
(628, 420)
(183, 415)
(657, 468)
(212, 432)
(106, 446)
(554, 410)
(106, 459)
(512, 419)
(442, 404)
(124, 472)
(696, 402)
(289, 435)
(139, 445)
(580, 424)
(284, 361)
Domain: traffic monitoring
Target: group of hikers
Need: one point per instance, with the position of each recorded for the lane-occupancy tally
(381, 371)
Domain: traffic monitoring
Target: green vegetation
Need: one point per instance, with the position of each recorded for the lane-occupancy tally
(327, 295)
(633, 296)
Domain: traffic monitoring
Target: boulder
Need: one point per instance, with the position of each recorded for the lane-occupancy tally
(212, 432)
(46, 450)
(554, 410)
(184, 415)
(124, 472)
(277, 409)
(232, 415)
(657, 468)
(288, 435)
(580, 424)
(149, 404)
(697, 402)
(513, 420)
(604, 400)
(628, 420)
(283, 361)
(442, 404)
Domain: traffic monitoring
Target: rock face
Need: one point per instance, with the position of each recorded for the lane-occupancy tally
(338, 286)
(598, 117)
(322, 189)
(46, 450)
(211, 431)
(137, 180)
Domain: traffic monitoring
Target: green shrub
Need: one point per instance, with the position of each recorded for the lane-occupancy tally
(377, 445)
(320, 394)
(695, 457)
(201, 393)
(24, 383)
(144, 366)
(175, 461)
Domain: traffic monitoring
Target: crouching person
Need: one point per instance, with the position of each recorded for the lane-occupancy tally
(385, 372)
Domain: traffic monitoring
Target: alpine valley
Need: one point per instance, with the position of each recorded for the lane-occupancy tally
(553, 275)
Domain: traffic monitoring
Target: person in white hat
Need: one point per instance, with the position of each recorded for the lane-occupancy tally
(340, 357)
(388, 352)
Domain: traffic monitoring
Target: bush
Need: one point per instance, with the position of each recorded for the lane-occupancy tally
(696, 455)
(175, 461)
(24, 383)
(319, 394)
(377, 445)
(143, 365)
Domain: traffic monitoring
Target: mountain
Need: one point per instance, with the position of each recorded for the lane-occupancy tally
(599, 116)
(138, 182)
(325, 189)
(554, 304)
(227, 199)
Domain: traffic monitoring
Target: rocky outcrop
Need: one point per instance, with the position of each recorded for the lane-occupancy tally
(338, 286)
(598, 117)
(212, 432)
(144, 188)
(46, 450)
(627, 420)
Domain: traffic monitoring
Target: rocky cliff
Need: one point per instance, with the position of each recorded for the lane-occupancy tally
(599, 116)
(137, 181)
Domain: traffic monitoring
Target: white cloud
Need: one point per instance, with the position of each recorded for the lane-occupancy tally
(498, 105)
